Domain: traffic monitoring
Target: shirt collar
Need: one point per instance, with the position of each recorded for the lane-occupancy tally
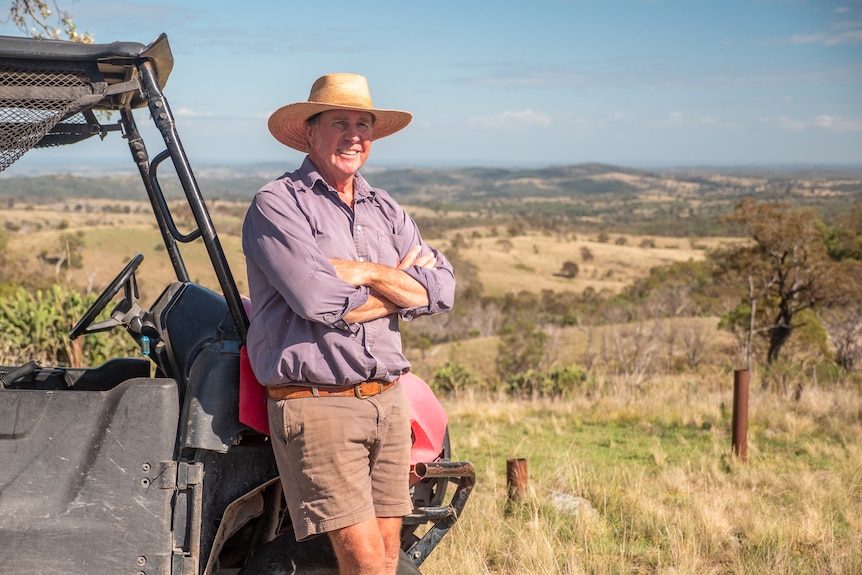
(309, 176)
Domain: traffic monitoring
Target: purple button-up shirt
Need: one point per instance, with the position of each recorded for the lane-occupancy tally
(298, 332)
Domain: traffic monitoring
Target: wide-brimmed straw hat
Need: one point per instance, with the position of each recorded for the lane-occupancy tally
(333, 92)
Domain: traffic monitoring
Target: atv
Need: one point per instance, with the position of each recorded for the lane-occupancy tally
(161, 463)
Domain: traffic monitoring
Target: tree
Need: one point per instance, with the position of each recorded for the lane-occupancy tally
(843, 321)
(569, 270)
(36, 18)
(522, 343)
(844, 241)
(844, 329)
(521, 347)
(785, 270)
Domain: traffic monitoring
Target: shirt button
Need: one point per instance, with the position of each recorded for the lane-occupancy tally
(358, 228)
(362, 259)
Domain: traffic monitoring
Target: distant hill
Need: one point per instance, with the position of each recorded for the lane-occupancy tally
(599, 193)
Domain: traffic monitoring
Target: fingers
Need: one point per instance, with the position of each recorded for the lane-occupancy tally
(429, 260)
(410, 258)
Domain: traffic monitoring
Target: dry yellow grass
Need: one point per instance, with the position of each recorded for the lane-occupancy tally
(530, 262)
(113, 237)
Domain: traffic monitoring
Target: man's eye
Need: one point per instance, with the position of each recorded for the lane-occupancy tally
(340, 125)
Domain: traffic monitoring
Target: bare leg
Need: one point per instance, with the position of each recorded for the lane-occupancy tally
(390, 530)
(368, 548)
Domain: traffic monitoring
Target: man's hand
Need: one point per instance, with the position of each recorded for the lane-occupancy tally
(429, 260)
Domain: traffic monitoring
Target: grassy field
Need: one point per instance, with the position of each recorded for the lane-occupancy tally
(628, 479)
(641, 479)
(114, 231)
(532, 262)
(637, 481)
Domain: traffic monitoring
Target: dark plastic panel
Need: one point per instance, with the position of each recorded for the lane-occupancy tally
(89, 473)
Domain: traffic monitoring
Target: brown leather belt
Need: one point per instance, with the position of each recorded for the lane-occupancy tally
(362, 390)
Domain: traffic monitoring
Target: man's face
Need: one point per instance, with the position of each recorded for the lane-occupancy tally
(340, 143)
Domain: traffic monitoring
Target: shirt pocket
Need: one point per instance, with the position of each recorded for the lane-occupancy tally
(388, 248)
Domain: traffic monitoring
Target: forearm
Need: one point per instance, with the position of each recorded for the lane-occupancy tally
(396, 286)
(375, 308)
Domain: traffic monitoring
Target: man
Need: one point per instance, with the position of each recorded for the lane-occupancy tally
(332, 264)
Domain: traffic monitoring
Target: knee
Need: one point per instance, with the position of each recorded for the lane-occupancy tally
(360, 555)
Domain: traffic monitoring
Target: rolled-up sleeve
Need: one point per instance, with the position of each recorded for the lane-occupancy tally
(439, 281)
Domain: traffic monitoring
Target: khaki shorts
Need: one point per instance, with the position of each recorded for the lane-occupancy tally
(342, 460)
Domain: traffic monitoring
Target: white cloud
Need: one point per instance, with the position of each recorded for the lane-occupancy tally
(675, 117)
(510, 119)
(822, 122)
(845, 28)
(829, 38)
(792, 124)
(838, 124)
(185, 113)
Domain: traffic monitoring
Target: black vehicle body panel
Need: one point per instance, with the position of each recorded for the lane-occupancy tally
(93, 464)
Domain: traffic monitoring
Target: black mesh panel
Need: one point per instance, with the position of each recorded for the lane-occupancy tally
(40, 105)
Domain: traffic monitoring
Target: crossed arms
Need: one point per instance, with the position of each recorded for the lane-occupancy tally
(390, 287)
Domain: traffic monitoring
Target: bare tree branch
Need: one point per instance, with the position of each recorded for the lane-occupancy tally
(36, 18)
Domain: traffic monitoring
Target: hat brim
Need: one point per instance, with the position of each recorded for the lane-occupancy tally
(287, 124)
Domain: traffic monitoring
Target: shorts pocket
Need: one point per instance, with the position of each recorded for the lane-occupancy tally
(279, 423)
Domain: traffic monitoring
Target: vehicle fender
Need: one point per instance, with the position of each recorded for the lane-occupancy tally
(428, 420)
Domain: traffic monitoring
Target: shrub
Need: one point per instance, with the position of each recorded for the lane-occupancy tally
(35, 326)
(524, 384)
(522, 345)
(452, 379)
(565, 380)
(558, 382)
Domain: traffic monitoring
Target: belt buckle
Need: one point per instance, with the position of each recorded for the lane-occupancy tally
(357, 389)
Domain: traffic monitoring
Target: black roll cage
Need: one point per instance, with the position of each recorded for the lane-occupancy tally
(123, 76)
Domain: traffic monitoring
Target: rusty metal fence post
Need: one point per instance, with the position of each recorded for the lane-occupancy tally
(740, 413)
(516, 479)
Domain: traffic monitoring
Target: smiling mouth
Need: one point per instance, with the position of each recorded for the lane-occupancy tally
(344, 152)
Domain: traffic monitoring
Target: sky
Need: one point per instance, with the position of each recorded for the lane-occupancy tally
(639, 83)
